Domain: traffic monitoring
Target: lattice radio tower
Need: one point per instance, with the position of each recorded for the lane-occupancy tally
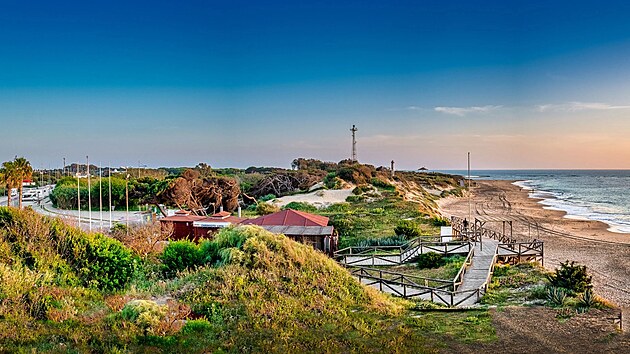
(354, 143)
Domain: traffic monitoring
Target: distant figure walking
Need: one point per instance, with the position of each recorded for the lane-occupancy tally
(465, 224)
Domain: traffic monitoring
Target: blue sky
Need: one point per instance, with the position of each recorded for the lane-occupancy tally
(528, 85)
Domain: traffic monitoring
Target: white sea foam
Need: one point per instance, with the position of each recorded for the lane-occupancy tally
(576, 209)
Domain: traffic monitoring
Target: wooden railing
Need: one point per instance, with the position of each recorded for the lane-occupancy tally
(459, 277)
(394, 255)
(436, 290)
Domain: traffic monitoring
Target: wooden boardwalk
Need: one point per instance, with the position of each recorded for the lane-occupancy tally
(478, 275)
(482, 246)
(469, 292)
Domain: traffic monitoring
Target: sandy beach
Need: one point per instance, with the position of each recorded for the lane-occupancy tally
(606, 254)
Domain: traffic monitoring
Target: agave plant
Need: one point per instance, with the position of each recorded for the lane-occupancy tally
(556, 296)
(588, 298)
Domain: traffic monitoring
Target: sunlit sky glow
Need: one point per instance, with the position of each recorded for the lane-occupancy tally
(539, 84)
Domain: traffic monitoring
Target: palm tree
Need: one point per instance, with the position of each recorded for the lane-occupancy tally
(9, 178)
(24, 171)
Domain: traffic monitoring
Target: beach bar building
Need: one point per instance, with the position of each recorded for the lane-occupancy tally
(302, 227)
(181, 224)
(193, 227)
(208, 226)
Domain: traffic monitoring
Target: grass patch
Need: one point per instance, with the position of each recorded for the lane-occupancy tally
(520, 284)
(466, 326)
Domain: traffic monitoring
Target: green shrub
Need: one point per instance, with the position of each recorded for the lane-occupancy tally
(358, 190)
(265, 209)
(309, 208)
(196, 327)
(377, 182)
(438, 221)
(119, 228)
(355, 198)
(407, 228)
(501, 270)
(99, 261)
(180, 255)
(331, 181)
(266, 198)
(338, 208)
(571, 277)
(430, 260)
(145, 314)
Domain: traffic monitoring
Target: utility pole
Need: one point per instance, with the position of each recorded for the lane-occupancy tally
(64, 168)
(354, 143)
(469, 194)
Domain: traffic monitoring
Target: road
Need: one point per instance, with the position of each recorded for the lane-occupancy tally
(45, 207)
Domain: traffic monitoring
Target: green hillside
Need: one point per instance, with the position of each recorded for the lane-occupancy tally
(63, 290)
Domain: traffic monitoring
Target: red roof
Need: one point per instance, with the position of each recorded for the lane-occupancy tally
(229, 219)
(182, 216)
(289, 217)
(221, 214)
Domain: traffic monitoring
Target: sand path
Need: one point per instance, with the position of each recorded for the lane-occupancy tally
(320, 199)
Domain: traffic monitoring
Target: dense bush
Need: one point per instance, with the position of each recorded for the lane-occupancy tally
(99, 261)
(571, 277)
(380, 183)
(180, 255)
(266, 198)
(265, 208)
(331, 181)
(145, 314)
(407, 228)
(430, 260)
(358, 190)
(438, 221)
(356, 173)
(309, 208)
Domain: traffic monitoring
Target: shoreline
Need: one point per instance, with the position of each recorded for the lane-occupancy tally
(565, 214)
(589, 242)
(550, 198)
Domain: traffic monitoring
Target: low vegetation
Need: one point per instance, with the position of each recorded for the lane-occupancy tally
(529, 284)
(247, 290)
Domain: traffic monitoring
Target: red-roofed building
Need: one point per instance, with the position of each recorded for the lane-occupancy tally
(289, 217)
(208, 226)
(194, 227)
(182, 224)
(300, 226)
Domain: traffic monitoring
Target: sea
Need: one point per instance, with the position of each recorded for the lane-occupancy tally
(601, 195)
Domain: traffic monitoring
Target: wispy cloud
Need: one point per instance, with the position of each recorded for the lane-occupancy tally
(462, 111)
(579, 106)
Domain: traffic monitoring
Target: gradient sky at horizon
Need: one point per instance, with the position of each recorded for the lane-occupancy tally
(531, 85)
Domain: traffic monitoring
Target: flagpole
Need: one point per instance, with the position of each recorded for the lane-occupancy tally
(100, 194)
(89, 193)
(110, 195)
(79, 193)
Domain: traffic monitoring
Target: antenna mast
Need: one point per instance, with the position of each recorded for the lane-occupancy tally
(354, 143)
